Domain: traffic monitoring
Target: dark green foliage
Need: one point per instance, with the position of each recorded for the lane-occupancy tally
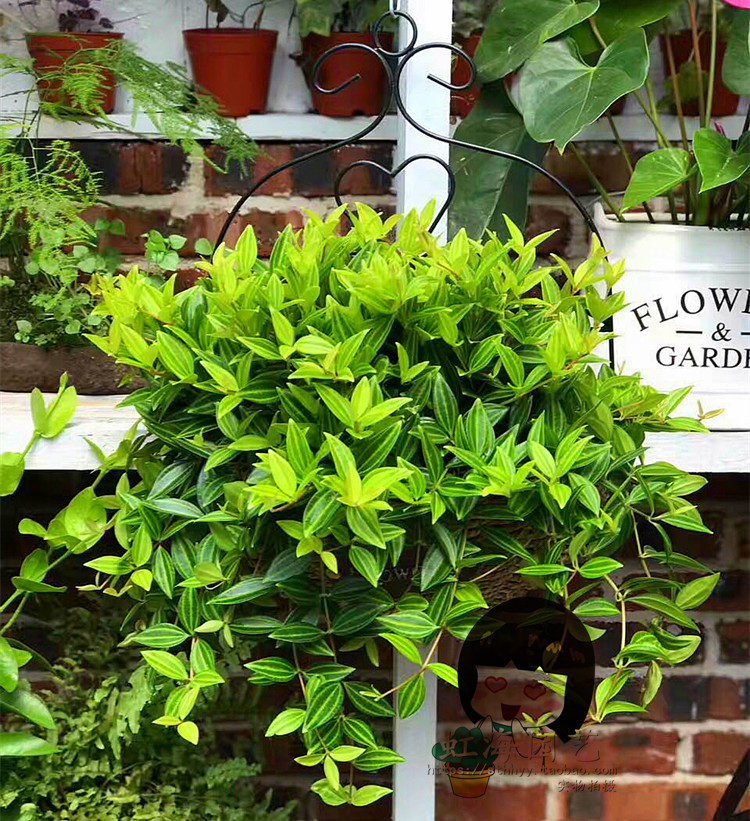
(355, 405)
(112, 763)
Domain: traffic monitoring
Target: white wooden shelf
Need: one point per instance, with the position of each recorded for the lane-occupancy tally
(98, 418)
(296, 127)
(287, 127)
(716, 452)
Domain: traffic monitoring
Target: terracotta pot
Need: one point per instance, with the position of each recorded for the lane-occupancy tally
(617, 106)
(364, 96)
(50, 51)
(724, 102)
(233, 65)
(463, 101)
(468, 783)
(25, 367)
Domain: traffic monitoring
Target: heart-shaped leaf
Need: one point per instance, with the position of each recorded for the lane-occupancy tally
(718, 163)
(615, 18)
(736, 70)
(561, 94)
(656, 173)
(515, 28)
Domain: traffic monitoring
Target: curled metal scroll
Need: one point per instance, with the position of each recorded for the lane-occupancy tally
(402, 56)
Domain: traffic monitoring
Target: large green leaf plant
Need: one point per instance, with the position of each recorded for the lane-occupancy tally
(574, 60)
(357, 404)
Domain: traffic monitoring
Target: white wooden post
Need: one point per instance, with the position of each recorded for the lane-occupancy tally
(429, 104)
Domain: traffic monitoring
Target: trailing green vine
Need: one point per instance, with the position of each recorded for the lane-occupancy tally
(355, 404)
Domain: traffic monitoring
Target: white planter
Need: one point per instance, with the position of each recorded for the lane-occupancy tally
(688, 316)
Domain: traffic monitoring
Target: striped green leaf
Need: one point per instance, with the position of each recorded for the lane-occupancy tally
(664, 607)
(411, 696)
(378, 758)
(161, 636)
(286, 722)
(365, 563)
(405, 646)
(445, 672)
(297, 633)
(353, 619)
(413, 624)
(358, 730)
(325, 704)
(444, 404)
(175, 507)
(246, 590)
(164, 574)
(166, 664)
(175, 355)
(320, 511)
(255, 625)
(599, 567)
(365, 699)
(272, 668)
(187, 609)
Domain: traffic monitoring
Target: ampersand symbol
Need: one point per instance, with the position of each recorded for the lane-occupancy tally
(721, 334)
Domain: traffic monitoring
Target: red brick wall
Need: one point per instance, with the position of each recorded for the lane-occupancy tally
(673, 764)
(154, 185)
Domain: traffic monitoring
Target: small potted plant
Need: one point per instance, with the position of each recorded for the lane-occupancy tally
(233, 63)
(469, 758)
(80, 27)
(688, 37)
(469, 17)
(340, 22)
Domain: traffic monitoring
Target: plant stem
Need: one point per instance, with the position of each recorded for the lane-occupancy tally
(641, 555)
(595, 29)
(16, 614)
(676, 89)
(712, 61)
(698, 62)
(626, 156)
(428, 657)
(619, 597)
(661, 137)
(31, 444)
(680, 118)
(655, 114)
(13, 596)
(595, 182)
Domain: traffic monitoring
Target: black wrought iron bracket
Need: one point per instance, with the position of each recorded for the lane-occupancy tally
(393, 97)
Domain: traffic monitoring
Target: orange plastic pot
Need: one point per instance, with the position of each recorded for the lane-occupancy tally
(463, 101)
(469, 783)
(234, 66)
(49, 53)
(364, 96)
(725, 102)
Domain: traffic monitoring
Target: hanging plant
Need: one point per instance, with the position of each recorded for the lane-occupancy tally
(356, 404)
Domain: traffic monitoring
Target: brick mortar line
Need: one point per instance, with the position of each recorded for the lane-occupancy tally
(182, 207)
(686, 728)
(624, 779)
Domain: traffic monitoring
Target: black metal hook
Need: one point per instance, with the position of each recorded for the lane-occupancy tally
(394, 85)
(392, 174)
(326, 149)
